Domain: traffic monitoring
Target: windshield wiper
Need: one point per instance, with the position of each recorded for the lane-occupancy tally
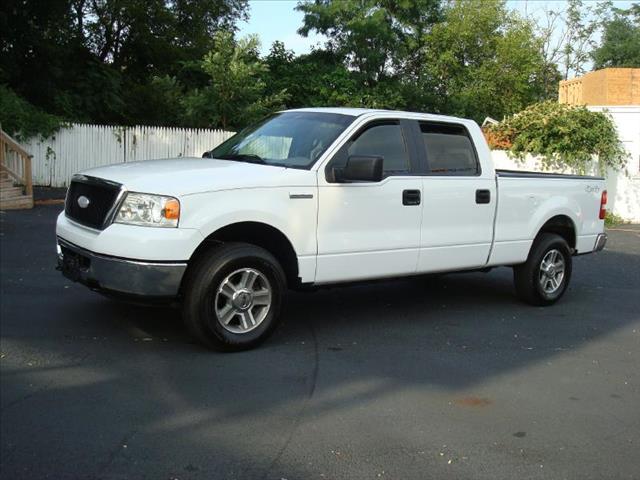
(244, 157)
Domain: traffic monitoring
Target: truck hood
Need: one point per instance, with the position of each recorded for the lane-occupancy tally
(189, 175)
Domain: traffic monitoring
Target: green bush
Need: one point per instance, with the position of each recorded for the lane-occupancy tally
(22, 120)
(611, 219)
(563, 136)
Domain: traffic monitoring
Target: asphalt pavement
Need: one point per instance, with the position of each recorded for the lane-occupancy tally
(430, 377)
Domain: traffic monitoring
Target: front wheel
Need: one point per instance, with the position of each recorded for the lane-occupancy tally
(232, 296)
(544, 278)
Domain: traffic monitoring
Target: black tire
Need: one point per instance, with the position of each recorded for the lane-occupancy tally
(528, 277)
(203, 297)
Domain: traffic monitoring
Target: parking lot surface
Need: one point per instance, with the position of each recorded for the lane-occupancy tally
(430, 377)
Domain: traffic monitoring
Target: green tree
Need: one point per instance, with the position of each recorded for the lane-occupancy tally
(568, 36)
(93, 60)
(482, 60)
(376, 38)
(235, 95)
(620, 45)
(316, 79)
(581, 25)
(22, 120)
(158, 101)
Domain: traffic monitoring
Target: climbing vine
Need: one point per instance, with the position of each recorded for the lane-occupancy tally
(22, 120)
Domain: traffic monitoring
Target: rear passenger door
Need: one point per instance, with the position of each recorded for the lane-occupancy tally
(459, 201)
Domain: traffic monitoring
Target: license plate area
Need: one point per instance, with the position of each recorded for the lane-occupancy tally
(74, 264)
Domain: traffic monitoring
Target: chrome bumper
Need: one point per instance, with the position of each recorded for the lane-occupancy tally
(601, 241)
(116, 275)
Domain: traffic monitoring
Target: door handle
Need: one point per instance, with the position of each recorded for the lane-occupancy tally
(411, 197)
(483, 196)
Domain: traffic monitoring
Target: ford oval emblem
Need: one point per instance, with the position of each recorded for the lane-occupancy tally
(83, 202)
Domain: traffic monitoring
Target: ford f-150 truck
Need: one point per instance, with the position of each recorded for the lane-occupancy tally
(320, 196)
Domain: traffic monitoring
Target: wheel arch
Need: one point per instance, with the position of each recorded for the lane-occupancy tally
(255, 233)
(562, 225)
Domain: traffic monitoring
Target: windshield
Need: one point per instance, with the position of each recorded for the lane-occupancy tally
(288, 139)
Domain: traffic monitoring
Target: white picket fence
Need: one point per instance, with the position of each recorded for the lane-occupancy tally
(81, 146)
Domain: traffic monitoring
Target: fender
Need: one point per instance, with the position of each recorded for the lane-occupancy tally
(290, 210)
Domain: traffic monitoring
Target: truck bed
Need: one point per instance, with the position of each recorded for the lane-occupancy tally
(526, 200)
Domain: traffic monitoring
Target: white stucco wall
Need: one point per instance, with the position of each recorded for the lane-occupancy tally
(623, 187)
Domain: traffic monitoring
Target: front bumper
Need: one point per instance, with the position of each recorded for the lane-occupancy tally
(118, 275)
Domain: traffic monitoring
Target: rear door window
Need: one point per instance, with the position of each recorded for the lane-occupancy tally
(449, 149)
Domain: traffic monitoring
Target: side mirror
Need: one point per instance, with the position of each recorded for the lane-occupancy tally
(207, 154)
(360, 168)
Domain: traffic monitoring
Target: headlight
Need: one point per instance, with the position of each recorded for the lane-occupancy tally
(149, 210)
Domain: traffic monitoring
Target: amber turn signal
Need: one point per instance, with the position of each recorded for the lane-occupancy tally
(172, 209)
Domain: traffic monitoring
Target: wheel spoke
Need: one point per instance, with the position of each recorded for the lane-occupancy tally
(243, 319)
(227, 289)
(261, 297)
(252, 320)
(248, 279)
(226, 314)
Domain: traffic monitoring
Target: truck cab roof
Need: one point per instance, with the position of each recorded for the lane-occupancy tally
(357, 112)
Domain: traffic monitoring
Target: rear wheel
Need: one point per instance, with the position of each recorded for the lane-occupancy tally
(544, 278)
(232, 296)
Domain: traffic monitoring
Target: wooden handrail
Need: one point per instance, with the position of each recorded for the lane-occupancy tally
(11, 173)
(15, 146)
(9, 144)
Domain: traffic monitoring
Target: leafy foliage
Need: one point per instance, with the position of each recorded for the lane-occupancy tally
(582, 24)
(375, 37)
(178, 62)
(483, 60)
(92, 60)
(563, 136)
(373, 52)
(612, 220)
(235, 94)
(315, 79)
(621, 40)
(22, 120)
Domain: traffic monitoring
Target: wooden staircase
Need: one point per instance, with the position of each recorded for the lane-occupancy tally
(16, 183)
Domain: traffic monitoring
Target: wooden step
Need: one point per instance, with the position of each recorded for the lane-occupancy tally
(12, 197)
(15, 203)
(12, 192)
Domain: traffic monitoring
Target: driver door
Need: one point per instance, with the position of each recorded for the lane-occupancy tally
(371, 229)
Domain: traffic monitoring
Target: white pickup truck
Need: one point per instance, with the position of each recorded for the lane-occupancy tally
(320, 196)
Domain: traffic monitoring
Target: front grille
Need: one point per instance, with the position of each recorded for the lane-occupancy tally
(101, 195)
